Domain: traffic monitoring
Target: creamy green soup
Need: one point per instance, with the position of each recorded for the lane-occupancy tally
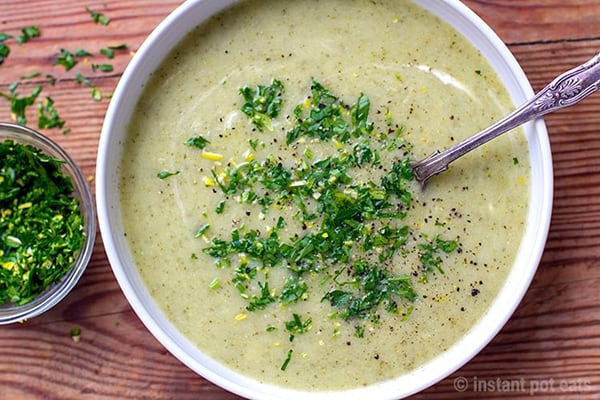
(228, 215)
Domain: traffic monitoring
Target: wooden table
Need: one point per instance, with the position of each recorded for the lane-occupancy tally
(551, 345)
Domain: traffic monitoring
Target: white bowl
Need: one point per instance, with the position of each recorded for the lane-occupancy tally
(148, 58)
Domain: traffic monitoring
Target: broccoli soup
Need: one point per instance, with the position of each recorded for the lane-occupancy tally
(269, 205)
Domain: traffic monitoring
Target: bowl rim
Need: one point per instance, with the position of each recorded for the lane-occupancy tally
(58, 291)
(470, 25)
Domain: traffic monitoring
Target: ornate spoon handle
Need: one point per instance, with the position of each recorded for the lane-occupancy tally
(565, 90)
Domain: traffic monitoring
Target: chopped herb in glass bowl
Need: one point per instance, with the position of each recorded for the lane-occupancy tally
(47, 223)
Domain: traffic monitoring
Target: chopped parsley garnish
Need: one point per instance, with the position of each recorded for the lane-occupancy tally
(353, 230)
(368, 287)
(326, 117)
(262, 103)
(41, 225)
(430, 255)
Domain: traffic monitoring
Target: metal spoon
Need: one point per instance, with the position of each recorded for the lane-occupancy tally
(565, 90)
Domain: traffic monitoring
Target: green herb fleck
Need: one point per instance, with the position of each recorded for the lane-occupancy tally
(83, 80)
(96, 94)
(406, 314)
(66, 59)
(29, 76)
(215, 283)
(75, 333)
(48, 116)
(18, 105)
(121, 46)
(263, 300)
(220, 207)
(197, 141)
(165, 174)
(4, 52)
(82, 53)
(102, 67)
(253, 143)
(293, 290)
(4, 49)
(98, 17)
(202, 230)
(287, 360)
(296, 326)
(28, 33)
(109, 53)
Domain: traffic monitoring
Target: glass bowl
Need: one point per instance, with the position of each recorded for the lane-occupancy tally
(10, 312)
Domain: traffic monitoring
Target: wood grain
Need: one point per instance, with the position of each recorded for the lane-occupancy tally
(552, 342)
